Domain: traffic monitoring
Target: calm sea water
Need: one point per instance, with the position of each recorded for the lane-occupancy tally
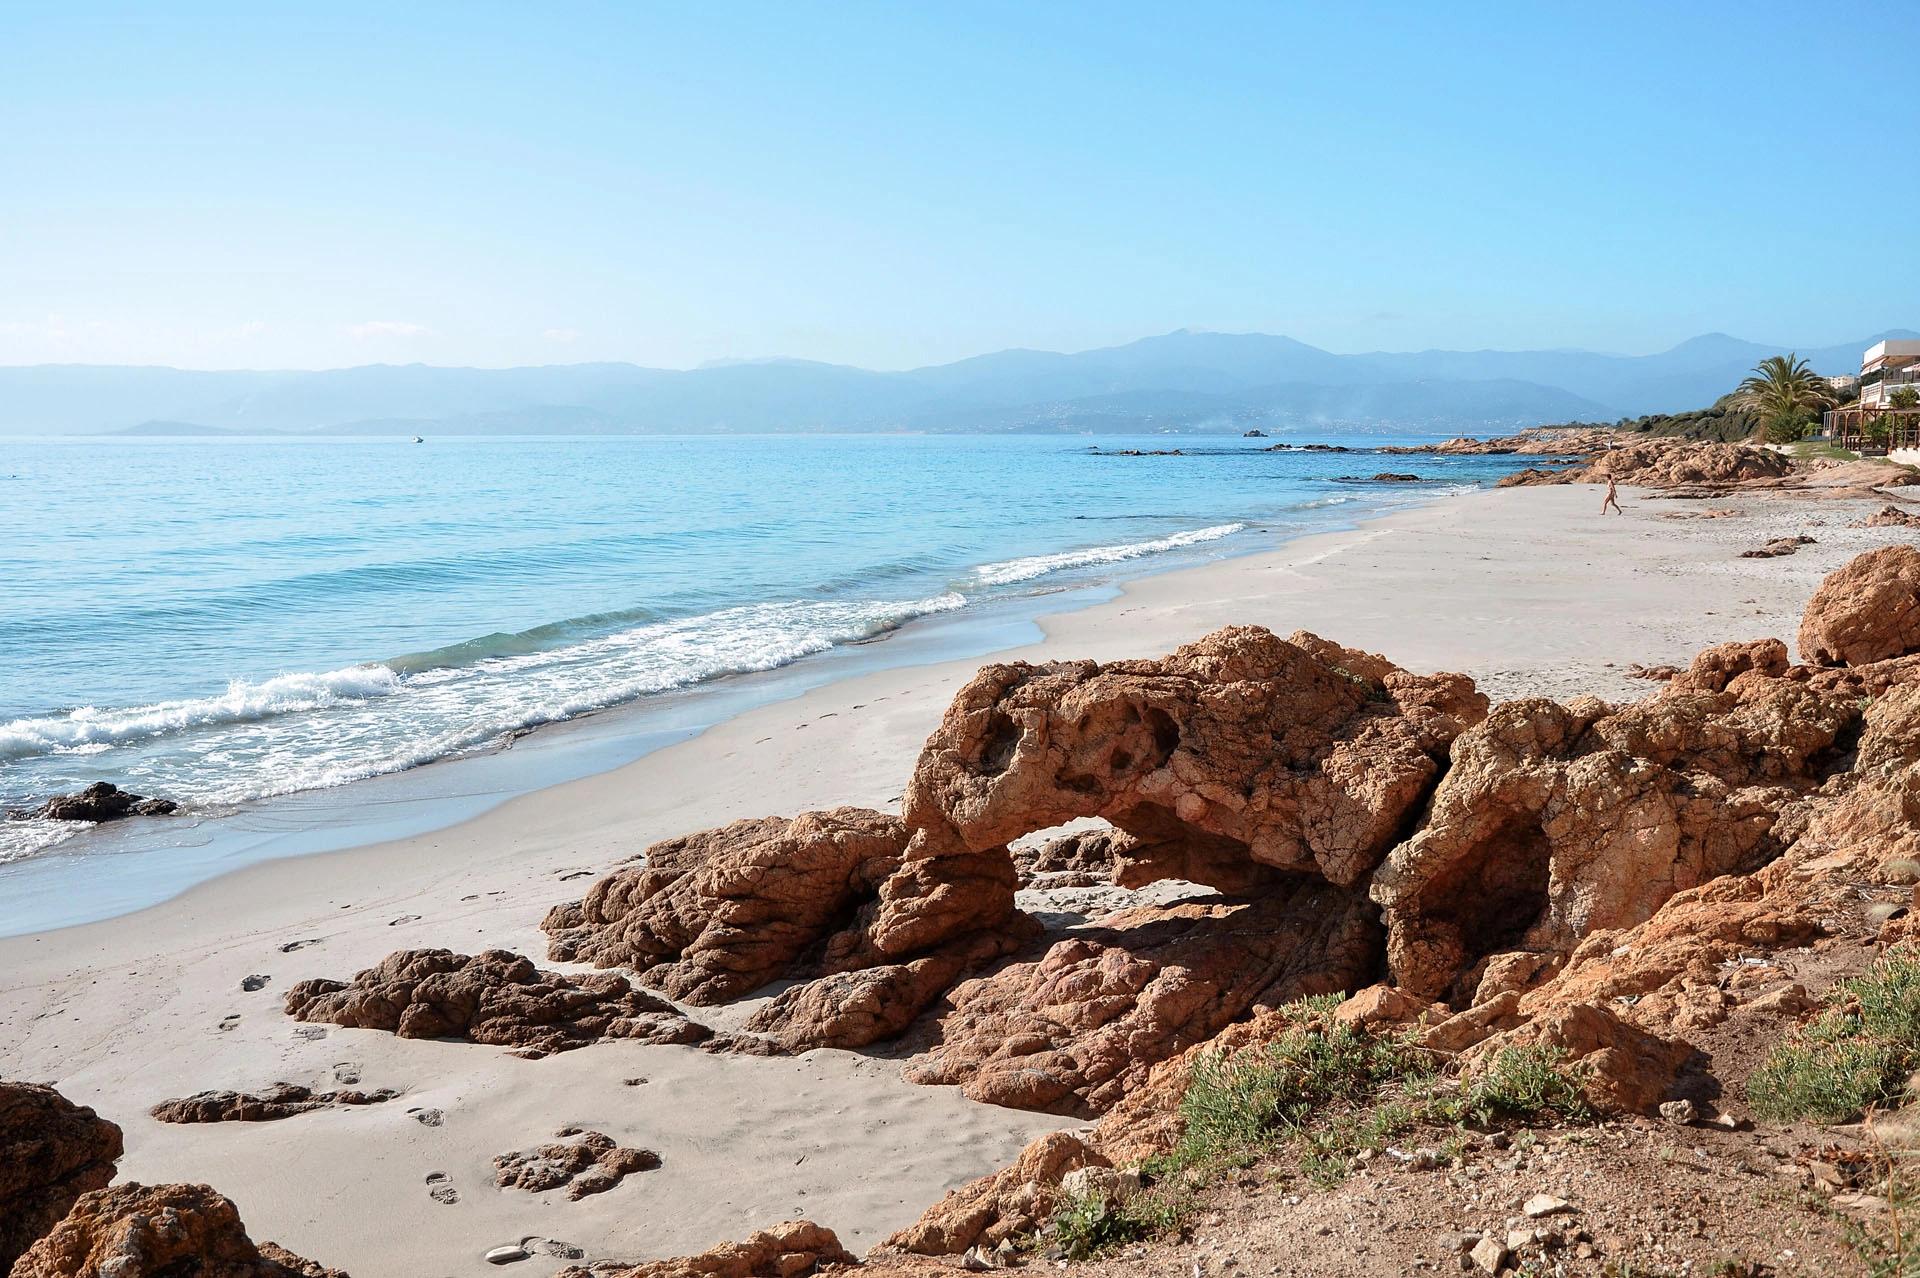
(222, 620)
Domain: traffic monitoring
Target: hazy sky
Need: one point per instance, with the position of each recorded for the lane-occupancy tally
(897, 184)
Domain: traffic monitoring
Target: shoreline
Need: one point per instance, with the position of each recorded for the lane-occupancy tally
(1523, 588)
(165, 858)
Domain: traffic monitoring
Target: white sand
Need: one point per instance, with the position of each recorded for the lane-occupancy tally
(1526, 589)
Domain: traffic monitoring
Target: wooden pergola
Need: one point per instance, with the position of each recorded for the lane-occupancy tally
(1846, 427)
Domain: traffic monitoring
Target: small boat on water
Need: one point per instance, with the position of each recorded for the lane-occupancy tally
(418, 440)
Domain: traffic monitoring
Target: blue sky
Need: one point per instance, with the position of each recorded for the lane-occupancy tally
(894, 184)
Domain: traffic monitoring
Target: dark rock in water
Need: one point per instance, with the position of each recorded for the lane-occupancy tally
(101, 801)
(1384, 477)
(51, 1152)
(1254, 434)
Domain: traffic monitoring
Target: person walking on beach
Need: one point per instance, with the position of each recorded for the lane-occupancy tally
(1612, 498)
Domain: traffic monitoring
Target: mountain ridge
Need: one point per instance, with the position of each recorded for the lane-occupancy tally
(1181, 380)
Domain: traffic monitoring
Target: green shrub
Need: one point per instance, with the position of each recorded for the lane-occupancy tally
(1787, 429)
(1520, 1084)
(1238, 1106)
(1090, 1226)
(1854, 1056)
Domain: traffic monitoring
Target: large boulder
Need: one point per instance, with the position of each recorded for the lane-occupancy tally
(1308, 756)
(1556, 821)
(51, 1152)
(158, 1231)
(1867, 611)
(495, 997)
(1076, 1030)
(715, 915)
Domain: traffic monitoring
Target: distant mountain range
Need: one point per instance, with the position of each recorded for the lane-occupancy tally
(1184, 381)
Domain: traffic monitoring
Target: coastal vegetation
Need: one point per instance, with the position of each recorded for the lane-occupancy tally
(1855, 1056)
(1787, 394)
(1320, 1097)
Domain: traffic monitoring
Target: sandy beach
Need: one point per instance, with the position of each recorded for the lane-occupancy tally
(1527, 590)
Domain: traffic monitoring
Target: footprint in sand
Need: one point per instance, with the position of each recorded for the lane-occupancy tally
(440, 1188)
(404, 918)
(569, 875)
(346, 1073)
(229, 1021)
(254, 982)
(309, 1032)
(291, 946)
(428, 1117)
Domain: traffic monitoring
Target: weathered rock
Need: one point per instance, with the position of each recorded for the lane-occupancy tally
(1555, 821)
(853, 1009)
(101, 801)
(1713, 669)
(158, 1231)
(715, 915)
(1868, 610)
(1380, 1007)
(282, 1100)
(1014, 1200)
(1535, 441)
(1777, 547)
(1309, 755)
(1076, 1030)
(834, 895)
(495, 997)
(1083, 858)
(585, 1162)
(1670, 463)
(1889, 517)
(1621, 1068)
(791, 1249)
(51, 1152)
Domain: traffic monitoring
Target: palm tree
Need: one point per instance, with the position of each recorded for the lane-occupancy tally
(1784, 389)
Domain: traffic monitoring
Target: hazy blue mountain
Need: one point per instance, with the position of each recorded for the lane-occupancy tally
(1182, 380)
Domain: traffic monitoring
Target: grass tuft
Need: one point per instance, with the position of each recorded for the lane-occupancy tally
(1521, 1084)
(1854, 1056)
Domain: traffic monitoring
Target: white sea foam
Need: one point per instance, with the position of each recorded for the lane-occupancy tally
(244, 701)
(1017, 570)
(22, 839)
(308, 732)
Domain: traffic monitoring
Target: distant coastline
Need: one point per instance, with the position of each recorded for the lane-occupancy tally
(1177, 382)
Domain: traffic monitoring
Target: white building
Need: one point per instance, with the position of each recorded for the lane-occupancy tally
(1885, 368)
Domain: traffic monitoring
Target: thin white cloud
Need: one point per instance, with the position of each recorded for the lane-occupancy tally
(387, 328)
(561, 335)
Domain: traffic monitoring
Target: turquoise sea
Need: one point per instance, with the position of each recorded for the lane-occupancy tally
(220, 621)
